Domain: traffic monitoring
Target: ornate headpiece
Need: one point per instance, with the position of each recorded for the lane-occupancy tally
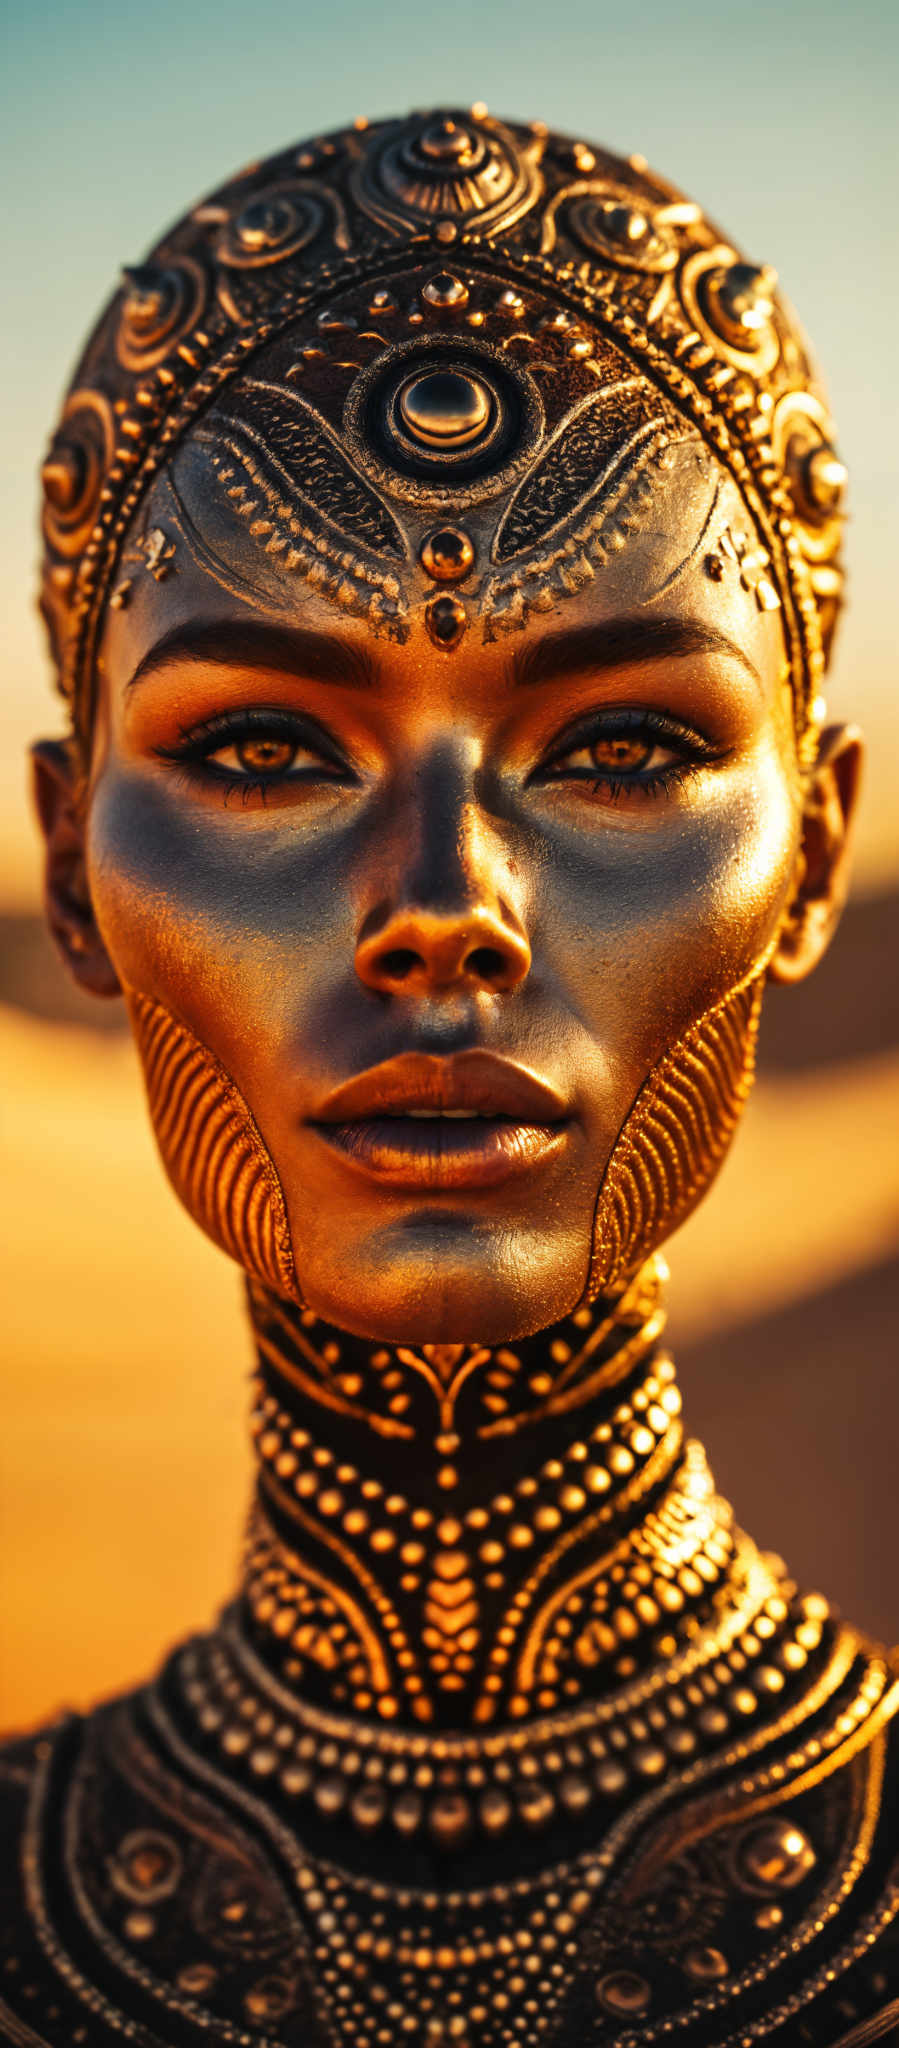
(466, 318)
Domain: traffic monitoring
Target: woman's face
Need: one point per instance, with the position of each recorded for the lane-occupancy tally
(377, 877)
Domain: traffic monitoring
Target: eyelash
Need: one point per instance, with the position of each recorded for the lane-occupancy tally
(200, 742)
(229, 729)
(654, 728)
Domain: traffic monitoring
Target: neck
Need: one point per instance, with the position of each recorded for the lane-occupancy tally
(451, 1535)
(485, 1589)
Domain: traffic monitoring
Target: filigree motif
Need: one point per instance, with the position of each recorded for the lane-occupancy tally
(73, 471)
(160, 306)
(210, 1146)
(600, 527)
(676, 1135)
(616, 225)
(597, 444)
(269, 226)
(450, 171)
(751, 562)
(731, 304)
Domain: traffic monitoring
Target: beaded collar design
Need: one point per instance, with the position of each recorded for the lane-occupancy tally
(570, 1763)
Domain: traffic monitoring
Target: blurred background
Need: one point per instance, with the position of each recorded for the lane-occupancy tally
(123, 1466)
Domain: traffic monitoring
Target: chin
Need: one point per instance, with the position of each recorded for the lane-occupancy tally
(438, 1278)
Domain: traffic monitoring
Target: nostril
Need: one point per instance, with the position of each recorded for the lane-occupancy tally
(488, 963)
(399, 963)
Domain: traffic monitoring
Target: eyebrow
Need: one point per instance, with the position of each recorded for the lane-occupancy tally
(621, 641)
(250, 643)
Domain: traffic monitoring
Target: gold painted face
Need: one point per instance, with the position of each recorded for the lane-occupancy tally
(461, 936)
(452, 571)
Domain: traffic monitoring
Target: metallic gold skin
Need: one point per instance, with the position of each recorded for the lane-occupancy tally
(211, 1147)
(442, 554)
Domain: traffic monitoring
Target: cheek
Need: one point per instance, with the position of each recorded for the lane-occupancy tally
(200, 991)
(211, 1148)
(645, 930)
(692, 1088)
(229, 926)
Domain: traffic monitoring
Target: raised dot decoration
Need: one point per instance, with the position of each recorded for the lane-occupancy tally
(445, 291)
(447, 554)
(772, 1856)
(739, 304)
(446, 620)
(72, 474)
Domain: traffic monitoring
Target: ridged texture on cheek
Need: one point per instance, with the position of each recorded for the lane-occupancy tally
(675, 1136)
(211, 1148)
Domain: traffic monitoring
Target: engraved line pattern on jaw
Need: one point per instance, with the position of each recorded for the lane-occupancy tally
(211, 1149)
(676, 1135)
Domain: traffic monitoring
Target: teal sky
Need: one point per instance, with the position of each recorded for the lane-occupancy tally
(780, 118)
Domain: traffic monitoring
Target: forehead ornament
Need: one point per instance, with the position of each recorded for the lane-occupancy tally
(564, 256)
(446, 620)
(447, 554)
(445, 408)
(445, 172)
(440, 411)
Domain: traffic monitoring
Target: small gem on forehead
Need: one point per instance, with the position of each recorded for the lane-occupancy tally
(446, 620)
(447, 554)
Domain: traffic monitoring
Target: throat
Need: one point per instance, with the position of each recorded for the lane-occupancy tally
(446, 1536)
(487, 1593)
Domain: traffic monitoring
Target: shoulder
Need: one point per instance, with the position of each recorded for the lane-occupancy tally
(133, 1902)
(765, 1905)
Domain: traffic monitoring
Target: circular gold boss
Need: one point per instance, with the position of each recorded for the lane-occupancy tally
(445, 408)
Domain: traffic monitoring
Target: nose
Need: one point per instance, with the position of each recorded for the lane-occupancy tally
(448, 922)
(420, 952)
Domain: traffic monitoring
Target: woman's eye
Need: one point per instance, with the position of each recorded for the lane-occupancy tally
(262, 755)
(617, 755)
(255, 753)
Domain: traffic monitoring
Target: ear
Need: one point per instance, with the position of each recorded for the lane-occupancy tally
(58, 791)
(822, 868)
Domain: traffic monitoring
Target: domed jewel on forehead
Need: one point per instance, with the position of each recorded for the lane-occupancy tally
(443, 408)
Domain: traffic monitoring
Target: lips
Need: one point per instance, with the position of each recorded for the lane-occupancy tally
(421, 1120)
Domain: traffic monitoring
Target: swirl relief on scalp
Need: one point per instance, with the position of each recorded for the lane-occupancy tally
(211, 1148)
